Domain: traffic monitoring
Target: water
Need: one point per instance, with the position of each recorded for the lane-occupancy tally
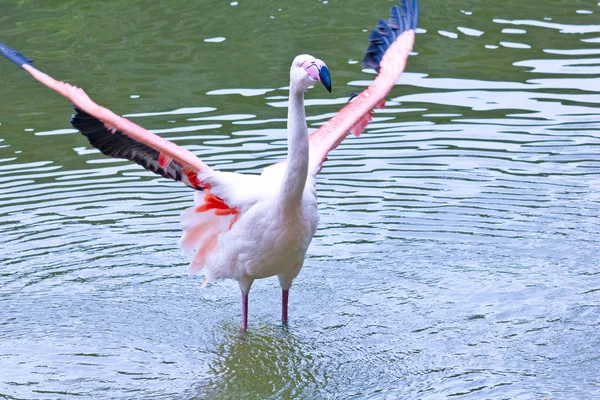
(457, 251)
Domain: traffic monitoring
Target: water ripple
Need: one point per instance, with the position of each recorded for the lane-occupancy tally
(457, 249)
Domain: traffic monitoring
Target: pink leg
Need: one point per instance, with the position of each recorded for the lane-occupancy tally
(244, 311)
(285, 294)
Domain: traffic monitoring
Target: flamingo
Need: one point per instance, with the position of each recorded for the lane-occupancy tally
(248, 227)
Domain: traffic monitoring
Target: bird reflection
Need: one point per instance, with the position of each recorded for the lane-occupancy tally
(269, 360)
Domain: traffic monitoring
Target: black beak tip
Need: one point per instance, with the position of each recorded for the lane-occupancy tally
(325, 78)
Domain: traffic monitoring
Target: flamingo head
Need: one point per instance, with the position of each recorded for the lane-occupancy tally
(306, 70)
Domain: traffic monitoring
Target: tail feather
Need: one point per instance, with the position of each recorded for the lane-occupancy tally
(199, 261)
(202, 226)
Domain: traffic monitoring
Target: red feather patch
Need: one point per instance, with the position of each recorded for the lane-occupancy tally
(164, 160)
(212, 202)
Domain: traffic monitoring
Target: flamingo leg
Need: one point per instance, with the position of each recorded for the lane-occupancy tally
(244, 311)
(285, 294)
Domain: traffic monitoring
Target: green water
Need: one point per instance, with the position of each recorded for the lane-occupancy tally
(457, 253)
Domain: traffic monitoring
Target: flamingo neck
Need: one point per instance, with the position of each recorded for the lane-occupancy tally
(297, 164)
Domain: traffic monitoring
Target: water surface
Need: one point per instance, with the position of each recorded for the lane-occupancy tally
(457, 254)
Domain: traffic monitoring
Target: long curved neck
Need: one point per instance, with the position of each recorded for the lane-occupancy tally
(297, 164)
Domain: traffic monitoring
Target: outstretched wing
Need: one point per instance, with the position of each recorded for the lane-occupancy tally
(391, 44)
(118, 137)
(115, 143)
(218, 204)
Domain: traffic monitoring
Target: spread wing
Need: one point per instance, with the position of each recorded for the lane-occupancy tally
(391, 44)
(118, 137)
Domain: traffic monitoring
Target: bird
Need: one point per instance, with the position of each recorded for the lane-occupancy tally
(247, 227)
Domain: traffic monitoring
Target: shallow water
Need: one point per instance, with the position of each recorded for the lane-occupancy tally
(457, 254)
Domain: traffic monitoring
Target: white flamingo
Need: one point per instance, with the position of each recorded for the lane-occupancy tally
(248, 227)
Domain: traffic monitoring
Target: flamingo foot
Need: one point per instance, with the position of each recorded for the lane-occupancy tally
(244, 311)
(285, 294)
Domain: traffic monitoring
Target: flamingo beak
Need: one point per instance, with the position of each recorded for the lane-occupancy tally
(324, 77)
(318, 71)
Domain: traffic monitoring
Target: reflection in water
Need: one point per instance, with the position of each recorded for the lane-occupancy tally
(457, 250)
(267, 360)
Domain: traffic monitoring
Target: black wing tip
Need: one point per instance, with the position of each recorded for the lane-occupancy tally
(14, 55)
(402, 18)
